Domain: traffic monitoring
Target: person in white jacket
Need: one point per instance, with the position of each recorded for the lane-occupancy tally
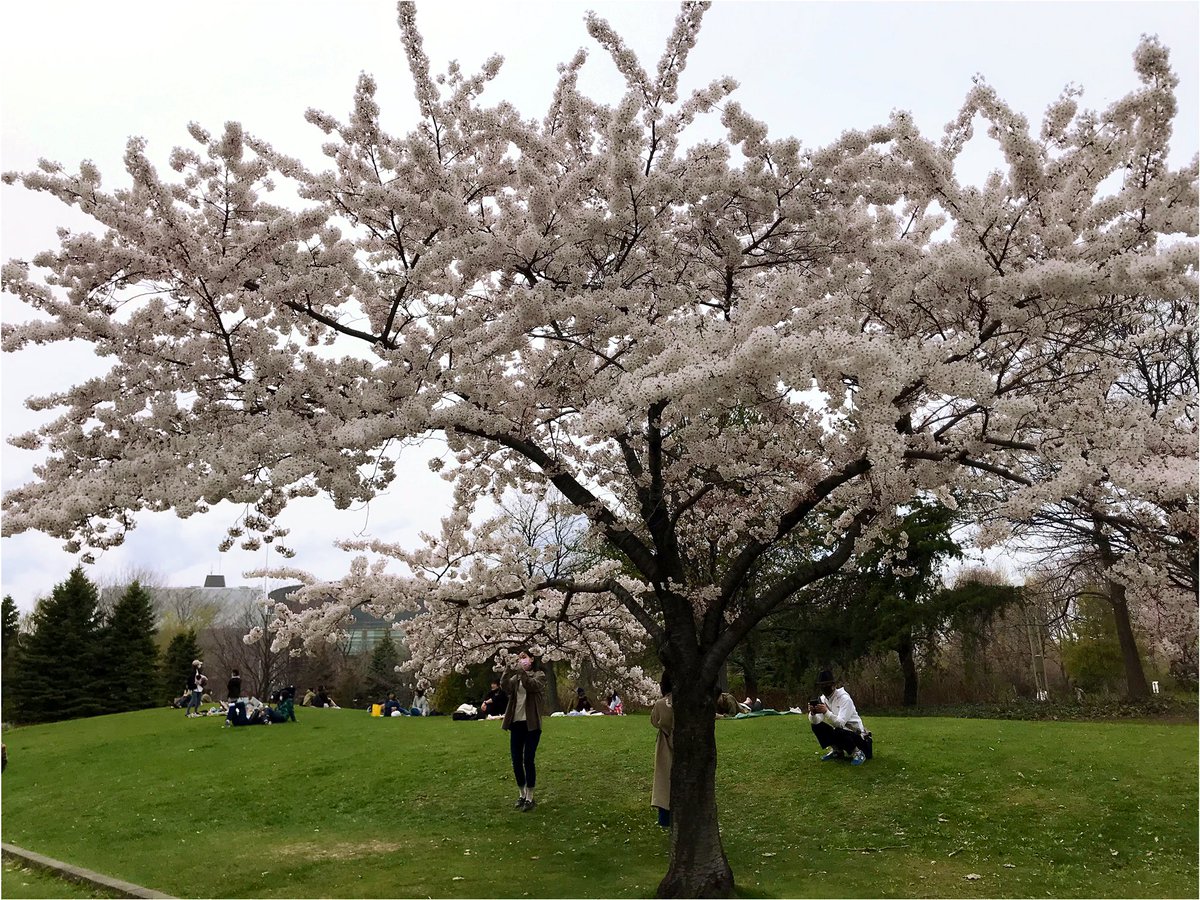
(837, 724)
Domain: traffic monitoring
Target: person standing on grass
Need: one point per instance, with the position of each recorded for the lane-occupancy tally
(196, 683)
(836, 722)
(662, 717)
(526, 688)
(234, 688)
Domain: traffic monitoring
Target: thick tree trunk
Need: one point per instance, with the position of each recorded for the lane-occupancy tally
(586, 681)
(908, 666)
(751, 684)
(551, 689)
(1135, 676)
(698, 866)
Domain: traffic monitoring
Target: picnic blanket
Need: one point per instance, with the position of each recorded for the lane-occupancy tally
(767, 712)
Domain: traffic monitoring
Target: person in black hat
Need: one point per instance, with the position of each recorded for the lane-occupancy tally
(837, 724)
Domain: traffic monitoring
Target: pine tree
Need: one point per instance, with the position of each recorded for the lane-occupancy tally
(177, 664)
(129, 671)
(54, 676)
(12, 632)
(381, 672)
(12, 626)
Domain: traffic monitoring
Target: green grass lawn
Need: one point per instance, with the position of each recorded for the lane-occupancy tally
(342, 804)
(23, 882)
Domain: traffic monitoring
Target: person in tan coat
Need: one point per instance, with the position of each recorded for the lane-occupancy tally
(526, 689)
(662, 717)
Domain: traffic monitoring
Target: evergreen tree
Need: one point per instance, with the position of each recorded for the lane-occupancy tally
(54, 676)
(381, 671)
(129, 658)
(882, 605)
(12, 626)
(177, 663)
(12, 632)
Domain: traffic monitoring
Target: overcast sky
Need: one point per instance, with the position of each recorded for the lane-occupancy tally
(78, 79)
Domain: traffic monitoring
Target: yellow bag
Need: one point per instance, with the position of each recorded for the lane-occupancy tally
(377, 709)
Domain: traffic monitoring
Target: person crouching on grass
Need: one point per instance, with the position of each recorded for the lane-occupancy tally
(526, 688)
(837, 724)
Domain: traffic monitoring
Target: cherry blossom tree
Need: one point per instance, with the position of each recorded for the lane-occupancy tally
(707, 347)
(1132, 526)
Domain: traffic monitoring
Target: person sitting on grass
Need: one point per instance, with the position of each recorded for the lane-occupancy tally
(836, 722)
(582, 703)
(727, 704)
(616, 706)
(287, 703)
(495, 703)
(391, 705)
(322, 699)
(420, 705)
(309, 696)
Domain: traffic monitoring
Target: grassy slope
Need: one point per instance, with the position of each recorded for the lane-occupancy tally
(346, 805)
(22, 882)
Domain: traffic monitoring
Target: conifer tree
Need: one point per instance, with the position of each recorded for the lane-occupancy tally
(54, 676)
(129, 657)
(177, 663)
(12, 631)
(12, 626)
(381, 671)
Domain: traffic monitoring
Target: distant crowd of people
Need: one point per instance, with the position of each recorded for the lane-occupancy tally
(517, 698)
(238, 709)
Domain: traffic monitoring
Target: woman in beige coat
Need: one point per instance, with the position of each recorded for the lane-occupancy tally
(662, 717)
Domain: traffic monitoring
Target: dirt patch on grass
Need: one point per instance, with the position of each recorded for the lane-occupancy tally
(339, 849)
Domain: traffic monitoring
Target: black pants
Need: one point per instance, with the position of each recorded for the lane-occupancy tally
(523, 744)
(842, 739)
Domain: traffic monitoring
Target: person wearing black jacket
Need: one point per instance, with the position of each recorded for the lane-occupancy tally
(234, 688)
(495, 703)
(582, 703)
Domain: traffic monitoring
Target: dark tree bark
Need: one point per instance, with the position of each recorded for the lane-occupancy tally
(698, 866)
(748, 661)
(908, 665)
(723, 677)
(551, 688)
(1135, 675)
